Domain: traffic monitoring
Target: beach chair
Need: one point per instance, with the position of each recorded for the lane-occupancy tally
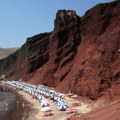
(49, 113)
(71, 110)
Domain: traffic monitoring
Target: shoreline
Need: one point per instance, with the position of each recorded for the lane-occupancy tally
(21, 111)
(32, 108)
(16, 113)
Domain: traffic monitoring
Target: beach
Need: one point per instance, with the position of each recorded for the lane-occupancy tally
(23, 106)
(31, 110)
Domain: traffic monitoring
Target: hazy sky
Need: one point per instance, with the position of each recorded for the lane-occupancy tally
(20, 19)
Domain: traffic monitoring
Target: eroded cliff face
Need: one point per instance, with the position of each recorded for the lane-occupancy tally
(25, 61)
(81, 55)
(63, 47)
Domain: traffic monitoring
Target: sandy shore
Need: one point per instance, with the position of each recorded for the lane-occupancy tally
(36, 114)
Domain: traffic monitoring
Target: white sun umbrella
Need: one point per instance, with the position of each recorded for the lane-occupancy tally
(62, 107)
(40, 97)
(44, 103)
(35, 94)
(45, 109)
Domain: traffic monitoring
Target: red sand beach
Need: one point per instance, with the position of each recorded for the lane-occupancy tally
(32, 108)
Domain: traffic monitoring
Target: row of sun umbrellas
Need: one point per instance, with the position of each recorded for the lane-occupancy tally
(41, 93)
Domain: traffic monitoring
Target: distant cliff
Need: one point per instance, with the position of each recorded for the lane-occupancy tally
(82, 54)
(4, 52)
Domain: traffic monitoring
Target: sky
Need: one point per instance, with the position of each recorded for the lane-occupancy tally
(20, 19)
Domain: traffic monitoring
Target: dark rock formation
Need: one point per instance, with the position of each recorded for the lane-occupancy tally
(82, 54)
(31, 56)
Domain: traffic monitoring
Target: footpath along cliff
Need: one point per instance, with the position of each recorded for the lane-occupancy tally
(81, 54)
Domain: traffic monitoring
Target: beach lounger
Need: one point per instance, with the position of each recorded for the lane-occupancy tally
(47, 114)
(71, 110)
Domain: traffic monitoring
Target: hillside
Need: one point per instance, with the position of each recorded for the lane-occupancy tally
(4, 52)
(81, 54)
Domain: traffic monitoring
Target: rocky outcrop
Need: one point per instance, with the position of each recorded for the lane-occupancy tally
(63, 46)
(81, 55)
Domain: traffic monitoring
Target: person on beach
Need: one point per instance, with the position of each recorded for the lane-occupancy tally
(23, 104)
(6, 105)
(17, 104)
